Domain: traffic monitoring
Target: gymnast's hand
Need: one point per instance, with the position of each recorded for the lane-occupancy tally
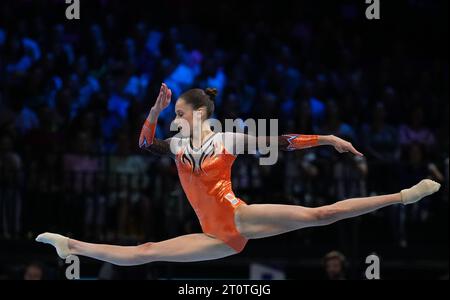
(163, 100)
(343, 146)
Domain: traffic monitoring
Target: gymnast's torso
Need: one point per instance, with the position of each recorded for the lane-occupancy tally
(205, 175)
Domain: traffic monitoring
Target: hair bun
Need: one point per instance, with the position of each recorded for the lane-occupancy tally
(212, 93)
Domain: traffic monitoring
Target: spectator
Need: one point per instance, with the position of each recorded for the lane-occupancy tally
(418, 166)
(382, 145)
(10, 188)
(34, 271)
(129, 183)
(334, 264)
(416, 132)
(82, 180)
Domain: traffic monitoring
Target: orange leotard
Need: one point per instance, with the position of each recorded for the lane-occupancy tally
(206, 180)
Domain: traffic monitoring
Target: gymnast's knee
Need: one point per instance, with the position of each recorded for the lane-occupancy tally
(146, 253)
(326, 215)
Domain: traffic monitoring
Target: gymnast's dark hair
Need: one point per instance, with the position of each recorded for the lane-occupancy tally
(199, 98)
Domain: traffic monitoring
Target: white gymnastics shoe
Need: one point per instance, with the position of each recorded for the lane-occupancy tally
(60, 242)
(424, 188)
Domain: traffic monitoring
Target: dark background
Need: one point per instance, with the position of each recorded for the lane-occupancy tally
(74, 94)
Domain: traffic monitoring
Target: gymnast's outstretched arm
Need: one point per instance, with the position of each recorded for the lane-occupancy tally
(289, 142)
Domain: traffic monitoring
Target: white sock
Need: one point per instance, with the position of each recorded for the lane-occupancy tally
(60, 242)
(422, 189)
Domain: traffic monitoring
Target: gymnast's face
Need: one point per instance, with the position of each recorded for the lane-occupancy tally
(184, 117)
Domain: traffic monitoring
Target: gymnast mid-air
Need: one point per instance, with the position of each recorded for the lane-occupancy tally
(204, 168)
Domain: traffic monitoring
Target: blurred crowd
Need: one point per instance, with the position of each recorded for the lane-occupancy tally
(73, 99)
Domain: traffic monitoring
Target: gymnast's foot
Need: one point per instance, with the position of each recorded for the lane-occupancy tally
(61, 243)
(424, 188)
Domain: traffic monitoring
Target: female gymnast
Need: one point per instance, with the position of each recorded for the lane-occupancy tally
(204, 169)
